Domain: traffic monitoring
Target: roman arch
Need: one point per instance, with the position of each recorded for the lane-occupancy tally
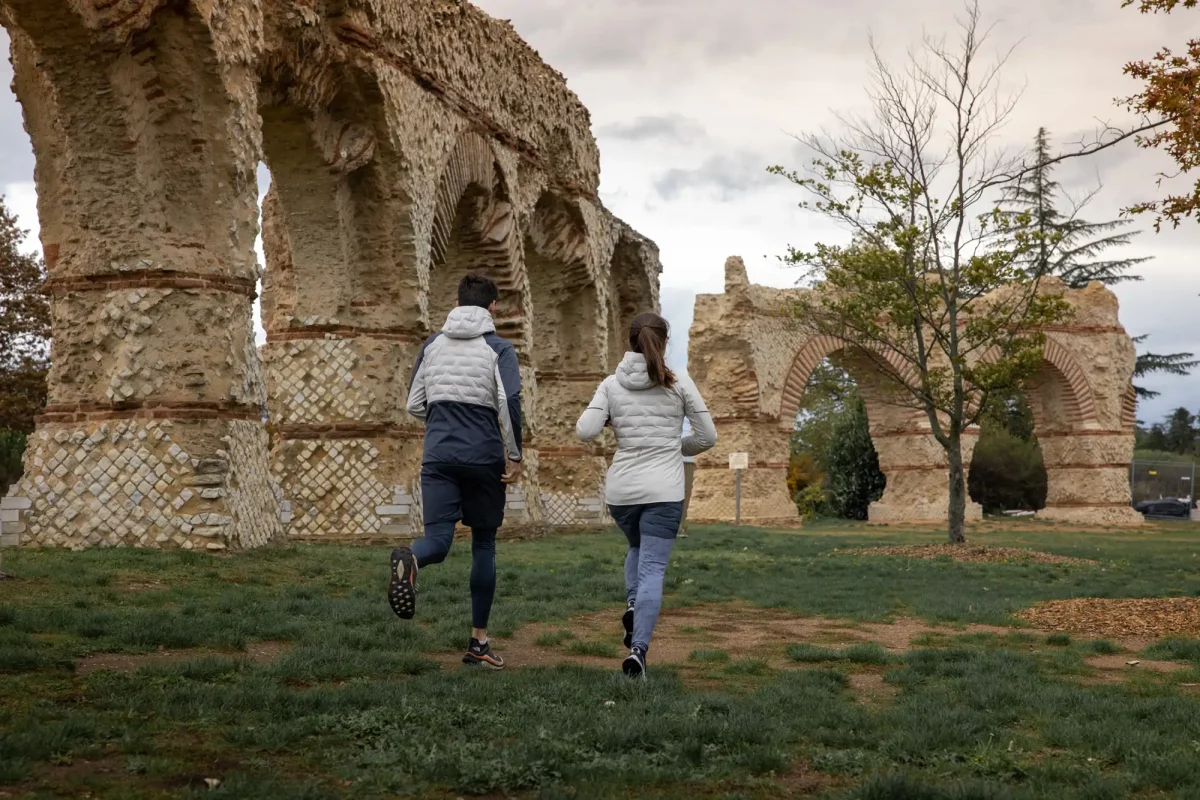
(752, 361)
(409, 141)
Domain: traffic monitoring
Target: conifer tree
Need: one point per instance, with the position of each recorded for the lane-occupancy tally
(1077, 250)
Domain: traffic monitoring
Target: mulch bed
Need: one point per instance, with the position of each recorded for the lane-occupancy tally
(1154, 617)
(973, 553)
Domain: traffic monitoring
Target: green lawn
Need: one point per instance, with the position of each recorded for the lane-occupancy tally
(358, 704)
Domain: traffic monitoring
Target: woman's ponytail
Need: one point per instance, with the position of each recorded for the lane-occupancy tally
(648, 336)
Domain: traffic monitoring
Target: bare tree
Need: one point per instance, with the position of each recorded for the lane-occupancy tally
(933, 287)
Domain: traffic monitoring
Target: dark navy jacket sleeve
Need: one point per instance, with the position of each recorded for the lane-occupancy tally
(510, 374)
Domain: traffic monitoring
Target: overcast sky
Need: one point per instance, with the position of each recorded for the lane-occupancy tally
(691, 100)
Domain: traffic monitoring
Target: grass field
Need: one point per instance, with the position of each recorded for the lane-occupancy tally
(782, 668)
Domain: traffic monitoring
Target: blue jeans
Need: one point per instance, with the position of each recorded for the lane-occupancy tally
(650, 529)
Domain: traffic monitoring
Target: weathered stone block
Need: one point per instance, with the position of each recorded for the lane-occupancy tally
(392, 511)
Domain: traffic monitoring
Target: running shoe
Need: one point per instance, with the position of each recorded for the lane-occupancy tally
(402, 588)
(635, 663)
(482, 655)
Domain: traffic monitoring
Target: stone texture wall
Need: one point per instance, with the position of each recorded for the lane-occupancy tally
(752, 361)
(409, 141)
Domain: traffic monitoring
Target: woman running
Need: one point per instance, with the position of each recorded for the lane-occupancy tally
(645, 403)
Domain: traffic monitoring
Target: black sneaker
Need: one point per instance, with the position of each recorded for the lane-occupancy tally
(635, 663)
(482, 654)
(402, 588)
(627, 621)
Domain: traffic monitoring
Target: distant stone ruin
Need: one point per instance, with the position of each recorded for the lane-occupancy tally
(752, 360)
(409, 142)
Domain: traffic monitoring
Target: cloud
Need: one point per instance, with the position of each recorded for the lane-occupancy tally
(677, 306)
(726, 177)
(16, 161)
(618, 34)
(21, 200)
(672, 127)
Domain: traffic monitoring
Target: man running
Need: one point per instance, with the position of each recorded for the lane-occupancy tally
(467, 387)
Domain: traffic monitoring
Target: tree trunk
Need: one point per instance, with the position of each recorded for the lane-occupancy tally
(957, 510)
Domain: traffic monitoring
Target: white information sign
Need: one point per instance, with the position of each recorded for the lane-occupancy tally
(739, 460)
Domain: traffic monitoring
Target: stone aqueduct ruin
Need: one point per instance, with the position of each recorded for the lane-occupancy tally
(752, 361)
(409, 141)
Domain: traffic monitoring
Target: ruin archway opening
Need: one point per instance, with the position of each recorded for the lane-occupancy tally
(474, 230)
(470, 249)
(564, 298)
(1007, 470)
(915, 465)
(566, 317)
(263, 176)
(630, 294)
(302, 232)
(833, 467)
(338, 215)
(341, 302)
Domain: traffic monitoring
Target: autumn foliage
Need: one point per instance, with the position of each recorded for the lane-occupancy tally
(1172, 90)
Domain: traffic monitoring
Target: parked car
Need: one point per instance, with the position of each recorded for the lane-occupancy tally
(1164, 508)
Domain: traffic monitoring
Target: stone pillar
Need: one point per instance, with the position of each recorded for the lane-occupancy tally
(145, 131)
(765, 498)
(1087, 477)
(568, 333)
(570, 473)
(342, 445)
(915, 466)
(342, 312)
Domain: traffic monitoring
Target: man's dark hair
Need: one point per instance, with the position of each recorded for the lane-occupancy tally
(476, 290)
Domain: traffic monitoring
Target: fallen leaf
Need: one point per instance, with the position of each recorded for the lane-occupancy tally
(969, 553)
(1151, 616)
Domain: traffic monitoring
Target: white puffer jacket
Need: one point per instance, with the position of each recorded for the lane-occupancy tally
(648, 420)
(466, 385)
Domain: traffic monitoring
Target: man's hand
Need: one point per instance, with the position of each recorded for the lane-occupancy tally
(512, 472)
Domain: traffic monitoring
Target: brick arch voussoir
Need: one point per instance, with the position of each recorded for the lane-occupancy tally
(1081, 402)
(558, 231)
(492, 236)
(558, 235)
(1129, 408)
(471, 163)
(811, 353)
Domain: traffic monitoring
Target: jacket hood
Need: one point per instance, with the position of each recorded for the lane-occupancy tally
(468, 322)
(632, 373)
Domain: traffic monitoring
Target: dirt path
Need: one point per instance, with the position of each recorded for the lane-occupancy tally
(261, 652)
(709, 631)
(697, 638)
